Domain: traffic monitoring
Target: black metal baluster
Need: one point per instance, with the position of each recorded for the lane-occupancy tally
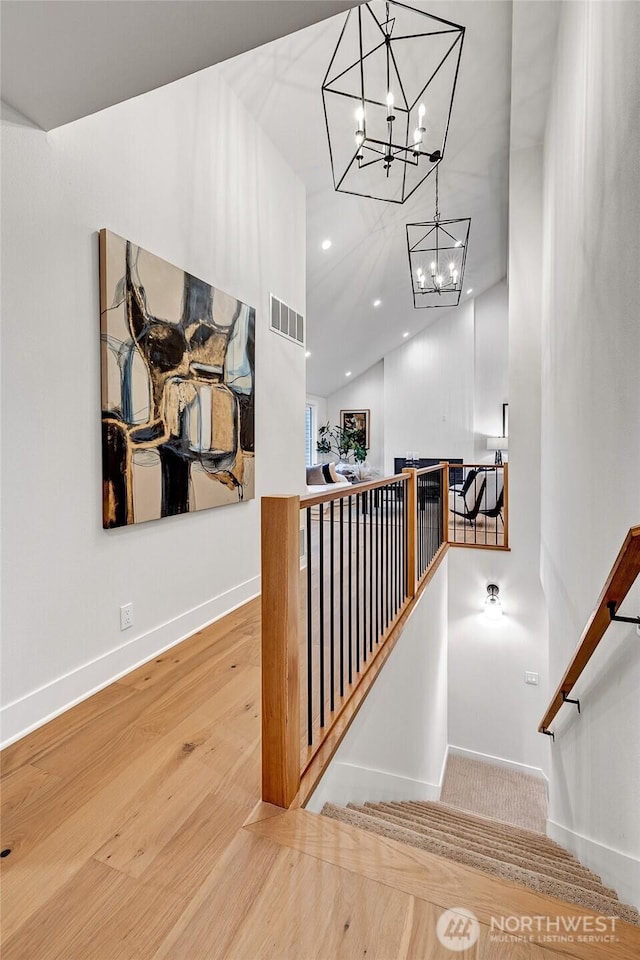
(370, 506)
(405, 534)
(332, 611)
(342, 596)
(309, 635)
(350, 593)
(396, 494)
(357, 596)
(363, 514)
(321, 610)
(378, 560)
(388, 555)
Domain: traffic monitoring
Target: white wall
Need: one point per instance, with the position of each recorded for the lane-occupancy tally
(491, 709)
(444, 388)
(429, 390)
(366, 392)
(396, 746)
(491, 351)
(591, 423)
(166, 171)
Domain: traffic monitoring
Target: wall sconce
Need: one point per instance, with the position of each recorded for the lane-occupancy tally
(492, 605)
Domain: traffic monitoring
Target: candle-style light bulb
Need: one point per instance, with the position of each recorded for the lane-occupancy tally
(421, 112)
(452, 267)
(390, 100)
(360, 115)
(439, 280)
(359, 137)
(433, 268)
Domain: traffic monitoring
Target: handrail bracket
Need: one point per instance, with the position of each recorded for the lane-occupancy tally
(611, 606)
(549, 733)
(566, 699)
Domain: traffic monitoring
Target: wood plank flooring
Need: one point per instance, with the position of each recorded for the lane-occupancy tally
(136, 833)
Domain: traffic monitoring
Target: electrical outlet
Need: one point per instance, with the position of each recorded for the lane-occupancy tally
(126, 616)
(530, 677)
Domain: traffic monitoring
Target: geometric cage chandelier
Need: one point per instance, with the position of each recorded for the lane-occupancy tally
(388, 94)
(437, 256)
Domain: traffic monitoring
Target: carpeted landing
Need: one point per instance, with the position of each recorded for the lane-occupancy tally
(496, 792)
(499, 848)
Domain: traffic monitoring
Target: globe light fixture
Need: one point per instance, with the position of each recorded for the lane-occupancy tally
(492, 604)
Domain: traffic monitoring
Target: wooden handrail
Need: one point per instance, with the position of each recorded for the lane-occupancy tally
(313, 499)
(433, 469)
(623, 574)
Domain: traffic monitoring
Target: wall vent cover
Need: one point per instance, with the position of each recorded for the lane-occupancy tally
(286, 322)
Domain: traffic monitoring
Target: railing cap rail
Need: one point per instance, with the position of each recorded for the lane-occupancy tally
(312, 499)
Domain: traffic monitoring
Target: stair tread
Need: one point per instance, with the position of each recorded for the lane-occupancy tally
(574, 873)
(474, 825)
(595, 897)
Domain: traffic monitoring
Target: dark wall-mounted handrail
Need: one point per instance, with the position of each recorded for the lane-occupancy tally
(623, 574)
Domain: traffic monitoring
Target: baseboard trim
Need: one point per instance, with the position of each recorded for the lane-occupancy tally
(498, 762)
(617, 869)
(36, 708)
(345, 783)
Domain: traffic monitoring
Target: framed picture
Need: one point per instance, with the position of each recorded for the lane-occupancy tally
(505, 419)
(356, 420)
(178, 373)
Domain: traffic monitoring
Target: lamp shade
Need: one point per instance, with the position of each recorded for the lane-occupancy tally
(497, 443)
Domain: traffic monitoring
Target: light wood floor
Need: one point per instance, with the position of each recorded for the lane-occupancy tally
(135, 832)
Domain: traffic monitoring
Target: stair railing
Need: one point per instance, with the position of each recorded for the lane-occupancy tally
(330, 623)
(620, 580)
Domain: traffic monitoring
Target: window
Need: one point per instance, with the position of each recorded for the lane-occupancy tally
(309, 434)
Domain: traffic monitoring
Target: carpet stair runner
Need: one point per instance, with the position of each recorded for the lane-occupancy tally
(497, 848)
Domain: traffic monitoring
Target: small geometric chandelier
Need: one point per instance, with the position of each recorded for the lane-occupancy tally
(388, 94)
(437, 256)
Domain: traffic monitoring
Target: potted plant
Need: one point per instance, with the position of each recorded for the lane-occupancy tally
(346, 445)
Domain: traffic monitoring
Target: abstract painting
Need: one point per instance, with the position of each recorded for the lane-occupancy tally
(178, 389)
(356, 420)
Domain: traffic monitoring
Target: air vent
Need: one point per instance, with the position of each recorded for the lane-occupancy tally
(286, 322)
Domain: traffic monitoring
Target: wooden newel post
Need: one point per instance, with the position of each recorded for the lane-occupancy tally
(412, 531)
(280, 649)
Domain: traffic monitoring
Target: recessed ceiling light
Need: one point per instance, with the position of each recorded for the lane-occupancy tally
(307, 354)
(377, 303)
(326, 244)
(406, 334)
(348, 373)
(470, 290)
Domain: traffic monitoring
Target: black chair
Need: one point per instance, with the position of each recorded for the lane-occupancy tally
(469, 505)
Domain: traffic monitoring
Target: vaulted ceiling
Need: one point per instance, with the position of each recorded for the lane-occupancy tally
(280, 84)
(65, 59)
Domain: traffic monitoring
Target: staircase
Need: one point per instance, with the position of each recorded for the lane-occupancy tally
(500, 849)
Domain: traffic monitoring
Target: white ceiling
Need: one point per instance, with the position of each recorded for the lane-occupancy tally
(280, 84)
(65, 59)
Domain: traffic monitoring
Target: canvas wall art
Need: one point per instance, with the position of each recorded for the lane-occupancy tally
(357, 420)
(178, 389)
